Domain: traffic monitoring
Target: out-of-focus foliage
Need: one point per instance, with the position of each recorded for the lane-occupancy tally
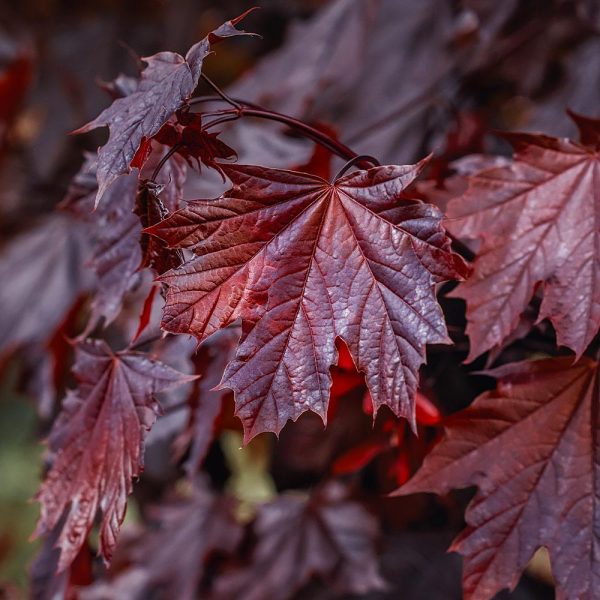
(306, 512)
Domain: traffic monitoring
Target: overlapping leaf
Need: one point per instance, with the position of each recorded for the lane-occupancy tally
(168, 80)
(303, 261)
(532, 449)
(97, 444)
(539, 222)
(169, 559)
(195, 144)
(116, 232)
(325, 535)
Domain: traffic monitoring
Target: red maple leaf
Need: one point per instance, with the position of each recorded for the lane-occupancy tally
(531, 447)
(97, 444)
(300, 537)
(194, 144)
(538, 221)
(193, 529)
(303, 261)
(392, 435)
(165, 84)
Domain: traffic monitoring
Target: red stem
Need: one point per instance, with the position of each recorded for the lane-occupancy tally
(317, 136)
(164, 159)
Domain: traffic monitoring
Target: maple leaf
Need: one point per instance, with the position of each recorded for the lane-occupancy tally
(165, 84)
(194, 144)
(538, 221)
(303, 261)
(531, 448)
(117, 254)
(97, 444)
(192, 529)
(391, 434)
(300, 537)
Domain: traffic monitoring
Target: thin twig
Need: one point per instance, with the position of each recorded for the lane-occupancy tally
(164, 159)
(210, 98)
(220, 92)
(310, 132)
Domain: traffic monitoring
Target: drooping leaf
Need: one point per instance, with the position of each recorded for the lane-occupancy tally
(538, 222)
(303, 261)
(117, 253)
(325, 535)
(531, 448)
(165, 84)
(97, 444)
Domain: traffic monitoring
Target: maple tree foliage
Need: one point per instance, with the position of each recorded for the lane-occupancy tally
(168, 80)
(537, 218)
(97, 443)
(193, 527)
(322, 305)
(301, 261)
(325, 535)
(531, 448)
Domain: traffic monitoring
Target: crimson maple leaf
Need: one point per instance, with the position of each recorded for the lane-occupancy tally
(97, 444)
(303, 261)
(300, 537)
(193, 529)
(194, 144)
(531, 447)
(538, 220)
(165, 84)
